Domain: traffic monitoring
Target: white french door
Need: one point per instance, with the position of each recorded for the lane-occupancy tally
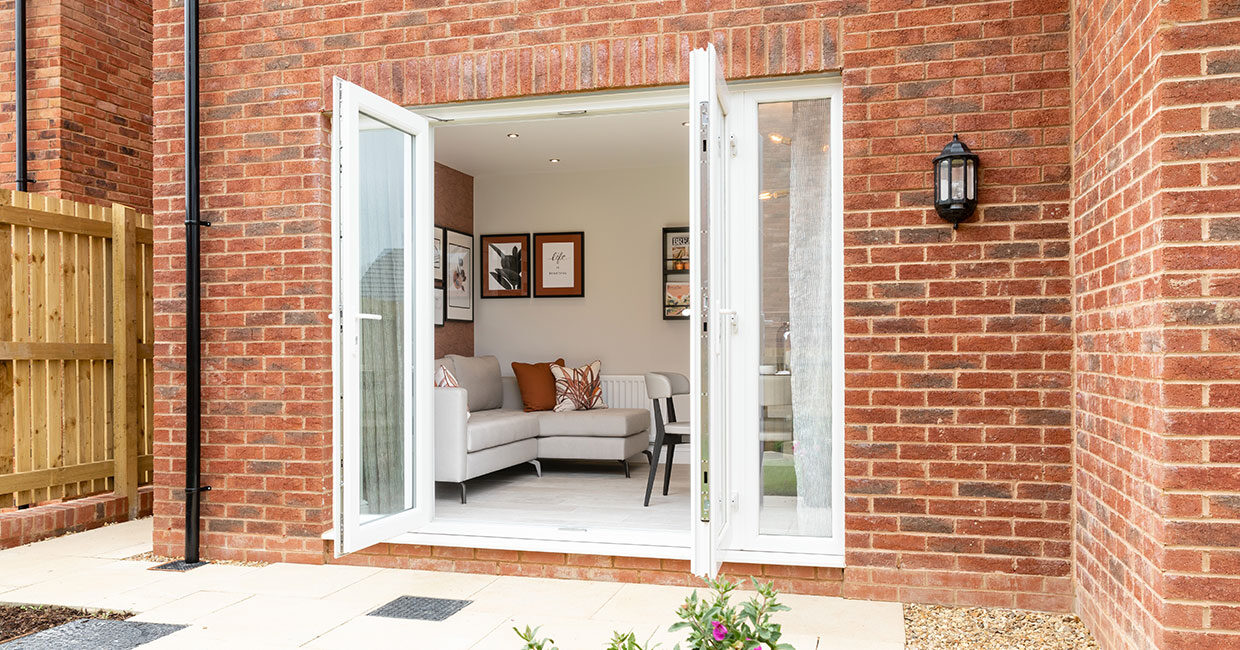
(712, 324)
(382, 182)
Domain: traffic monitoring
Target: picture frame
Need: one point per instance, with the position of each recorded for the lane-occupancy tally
(439, 265)
(558, 264)
(504, 266)
(675, 262)
(440, 307)
(458, 276)
(675, 298)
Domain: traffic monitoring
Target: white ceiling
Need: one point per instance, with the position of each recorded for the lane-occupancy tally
(581, 142)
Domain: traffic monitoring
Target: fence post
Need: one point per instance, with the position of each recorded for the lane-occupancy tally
(8, 430)
(125, 354)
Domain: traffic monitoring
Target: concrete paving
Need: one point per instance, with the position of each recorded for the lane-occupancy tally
(294, 605)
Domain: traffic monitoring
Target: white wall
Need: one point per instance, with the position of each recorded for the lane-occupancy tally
(619, 321)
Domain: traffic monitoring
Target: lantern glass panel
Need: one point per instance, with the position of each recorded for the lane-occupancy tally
(970, 176)
(944, 178)
(957, 179)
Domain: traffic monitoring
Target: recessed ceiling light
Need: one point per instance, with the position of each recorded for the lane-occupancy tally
(514, 136)
(553, 160)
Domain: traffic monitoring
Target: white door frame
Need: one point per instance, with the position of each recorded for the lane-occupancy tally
(746, 544)
(352, 530)
(671, 545)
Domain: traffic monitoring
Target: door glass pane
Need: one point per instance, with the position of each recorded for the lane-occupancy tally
(383, 175)
(795, 366)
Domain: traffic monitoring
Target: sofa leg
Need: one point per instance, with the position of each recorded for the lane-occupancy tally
(537, 467)
(625, 463)
(462, 484)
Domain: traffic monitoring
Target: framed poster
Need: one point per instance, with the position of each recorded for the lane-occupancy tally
(458, 275)
(439, 307)
(505, 263)
(558, 265)
(675, 298)
(438, 254)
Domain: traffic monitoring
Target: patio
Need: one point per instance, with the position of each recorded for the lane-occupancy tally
(294, 605)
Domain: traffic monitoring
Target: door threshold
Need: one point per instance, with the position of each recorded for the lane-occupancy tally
(621, 542)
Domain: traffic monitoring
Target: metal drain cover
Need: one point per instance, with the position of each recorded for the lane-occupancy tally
(93, 633)
(419, 608)
(178, 565)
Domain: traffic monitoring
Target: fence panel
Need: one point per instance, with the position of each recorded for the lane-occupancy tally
(76, 340)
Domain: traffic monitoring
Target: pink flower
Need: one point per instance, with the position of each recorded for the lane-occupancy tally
(718, 631)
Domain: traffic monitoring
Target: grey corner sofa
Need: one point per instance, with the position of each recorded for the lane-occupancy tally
(481, 427)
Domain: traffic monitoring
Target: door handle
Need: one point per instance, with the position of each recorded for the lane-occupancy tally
(370, 317)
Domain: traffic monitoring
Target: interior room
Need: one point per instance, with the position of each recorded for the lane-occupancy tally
(594, 193)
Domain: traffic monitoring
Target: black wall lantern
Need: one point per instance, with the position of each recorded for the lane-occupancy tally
(955, 182)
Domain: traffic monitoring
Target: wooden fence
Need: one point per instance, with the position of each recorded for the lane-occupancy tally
(76, 336)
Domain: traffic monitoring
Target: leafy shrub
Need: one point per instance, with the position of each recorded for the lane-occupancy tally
(712, 623)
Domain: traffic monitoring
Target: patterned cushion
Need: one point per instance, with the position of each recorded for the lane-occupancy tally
(578, 389)
(445, 379)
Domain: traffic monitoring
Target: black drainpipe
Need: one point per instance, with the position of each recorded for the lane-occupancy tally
(19, 48)
(193, 294)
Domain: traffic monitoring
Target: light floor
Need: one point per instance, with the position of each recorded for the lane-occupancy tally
(296, 605)
(571, 494)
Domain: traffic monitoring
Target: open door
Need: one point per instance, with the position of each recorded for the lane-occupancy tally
(382, 221)
(712, 324)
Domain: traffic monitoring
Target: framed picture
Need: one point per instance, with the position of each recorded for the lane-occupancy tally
(505, 263)
(676, 249)
(438, 254)
(458, 275)
(558, 264)
(675, 298)
(439, 307)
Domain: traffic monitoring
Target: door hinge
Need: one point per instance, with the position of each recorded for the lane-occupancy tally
(732, 145)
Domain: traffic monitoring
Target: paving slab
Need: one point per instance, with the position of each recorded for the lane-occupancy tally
(315, 606)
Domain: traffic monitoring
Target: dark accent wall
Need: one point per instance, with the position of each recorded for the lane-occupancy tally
(454, 208)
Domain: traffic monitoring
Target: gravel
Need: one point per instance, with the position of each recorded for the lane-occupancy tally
(163, 559)
(930, 627)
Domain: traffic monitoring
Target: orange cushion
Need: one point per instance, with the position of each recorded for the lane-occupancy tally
(536, 384)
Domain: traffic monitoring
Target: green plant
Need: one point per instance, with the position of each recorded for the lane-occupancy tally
(715, 624)
(712, 623)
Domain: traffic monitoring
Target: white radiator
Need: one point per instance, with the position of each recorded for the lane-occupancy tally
(625, 391)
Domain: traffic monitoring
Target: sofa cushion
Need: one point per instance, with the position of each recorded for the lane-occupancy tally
(606, 423)
(578, 389)
(479, 376)
(536, 384)
(492, 428)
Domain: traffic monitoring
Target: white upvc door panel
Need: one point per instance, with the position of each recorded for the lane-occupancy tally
(712, 323)
(382, 220)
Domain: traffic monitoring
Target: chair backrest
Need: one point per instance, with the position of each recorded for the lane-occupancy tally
(660, 385)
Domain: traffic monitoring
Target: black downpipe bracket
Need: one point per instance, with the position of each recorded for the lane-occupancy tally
(193, 295)
(19, 50)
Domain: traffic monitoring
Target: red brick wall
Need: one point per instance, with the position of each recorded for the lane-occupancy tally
(88, 97)
(1118, 323)
(42, 81)
(958, 460)
(1199, 104)
(52, 519)
(959, 342)
(1158, 543)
